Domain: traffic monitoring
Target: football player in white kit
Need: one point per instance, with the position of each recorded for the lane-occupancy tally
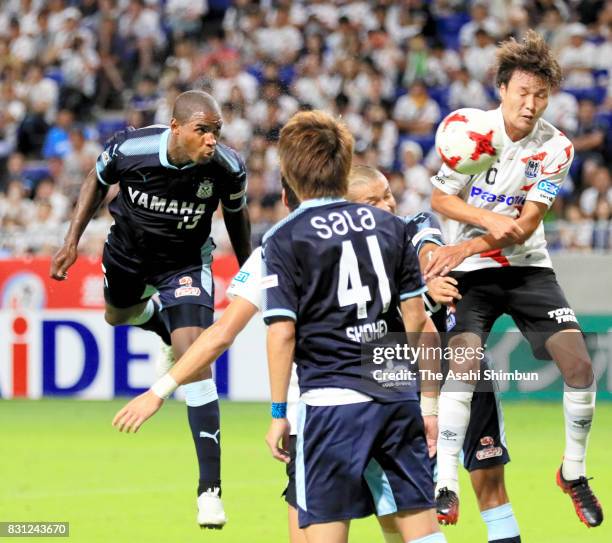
(499, 257)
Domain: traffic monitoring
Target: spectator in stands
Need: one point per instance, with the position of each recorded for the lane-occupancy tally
(15, 207)
(79, 64)
(416, 113)
(602, 225)
(145, 99)
(232, 75)
(280, 41)
(480, 58)
(578, 58)
(441, 63)
(110, 48)
(466, 92)
(416, 175)
(140, 25)
(590, 140)
(185, 16)
(575, 230)
(57, 140)
(404, 23)
(78, 162)
(46, 191)
(600, 189)
(481, 20)
(553, 29)
(562, 111)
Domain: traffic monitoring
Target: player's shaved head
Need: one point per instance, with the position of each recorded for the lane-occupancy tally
(192, 102)
(315, 152)
(363, 175)
(367, 185)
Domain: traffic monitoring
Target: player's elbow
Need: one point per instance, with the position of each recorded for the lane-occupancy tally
(282, 331)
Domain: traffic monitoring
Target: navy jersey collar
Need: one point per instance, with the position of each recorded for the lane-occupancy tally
(163, 153)
(317, 202)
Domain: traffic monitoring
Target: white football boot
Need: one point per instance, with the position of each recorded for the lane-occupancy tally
(165, 359)
(210, 510)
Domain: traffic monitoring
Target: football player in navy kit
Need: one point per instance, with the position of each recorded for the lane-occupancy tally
(171, 181)
(332, 270)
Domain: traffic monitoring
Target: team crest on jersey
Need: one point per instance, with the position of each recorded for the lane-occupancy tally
(205, 189)
(105, 158)
(532, 168)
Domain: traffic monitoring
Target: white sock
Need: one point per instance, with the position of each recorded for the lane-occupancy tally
(453, 419)
(578, 408)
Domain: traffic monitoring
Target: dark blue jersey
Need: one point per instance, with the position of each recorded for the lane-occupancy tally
(425, 228)
(340, 270)
(162, 212)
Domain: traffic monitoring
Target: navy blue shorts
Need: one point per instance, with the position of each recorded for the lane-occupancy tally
(361, 459)
(128, 280)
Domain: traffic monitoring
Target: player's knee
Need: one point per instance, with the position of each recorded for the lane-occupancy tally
(579, 374)
(114, 319)
(489, 487)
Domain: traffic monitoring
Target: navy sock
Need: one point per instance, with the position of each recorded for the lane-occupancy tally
(156, 324)
(203, 413)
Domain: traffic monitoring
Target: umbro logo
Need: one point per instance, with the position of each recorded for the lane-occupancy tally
(447, 434)
(582, 423)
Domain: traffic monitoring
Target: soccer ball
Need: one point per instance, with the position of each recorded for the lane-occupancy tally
(468, 141)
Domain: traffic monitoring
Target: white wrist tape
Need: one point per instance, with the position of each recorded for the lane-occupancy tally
(429, 406)
(164, 386)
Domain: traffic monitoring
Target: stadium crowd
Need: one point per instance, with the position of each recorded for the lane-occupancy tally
(72, 72)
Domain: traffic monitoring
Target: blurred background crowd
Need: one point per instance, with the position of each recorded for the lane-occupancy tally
(72, 72)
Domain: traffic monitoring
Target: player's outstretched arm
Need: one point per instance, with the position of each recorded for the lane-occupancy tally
(422, 332)
(238, 227)
(91, 196)
(281, 347)
(500, 227)
(445, 259)
(202, 353)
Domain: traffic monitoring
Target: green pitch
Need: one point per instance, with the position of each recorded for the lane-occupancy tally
(60, 460)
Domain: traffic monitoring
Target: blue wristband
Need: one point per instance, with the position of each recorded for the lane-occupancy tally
(279, 410)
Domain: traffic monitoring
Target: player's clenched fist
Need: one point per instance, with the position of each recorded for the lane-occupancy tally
(133, 415)
(278, 433)
(62, 260)
(502, 227)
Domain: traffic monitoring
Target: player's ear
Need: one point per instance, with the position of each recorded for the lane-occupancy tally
(502, 90)
(174, 125)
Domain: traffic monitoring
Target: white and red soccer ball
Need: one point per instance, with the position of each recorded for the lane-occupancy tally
(469, 141)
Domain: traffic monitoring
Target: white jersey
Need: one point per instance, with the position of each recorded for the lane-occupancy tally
(531, 169)
(247, 284)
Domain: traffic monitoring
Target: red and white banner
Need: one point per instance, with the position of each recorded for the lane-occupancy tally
(25, 284)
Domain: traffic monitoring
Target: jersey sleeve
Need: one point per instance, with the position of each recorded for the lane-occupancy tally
(107, 168)
(552, 175)
(247, 282)
(411, 282)
(424, 228)
(233, 197)
(279, 290)
(449, 181)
